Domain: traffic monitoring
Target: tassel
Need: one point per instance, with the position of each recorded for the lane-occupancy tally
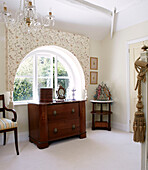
(139, 127)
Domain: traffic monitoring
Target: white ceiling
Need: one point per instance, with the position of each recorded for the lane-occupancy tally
(75, 17)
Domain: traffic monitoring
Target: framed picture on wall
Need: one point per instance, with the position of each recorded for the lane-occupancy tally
(93, 77)
(93, 63)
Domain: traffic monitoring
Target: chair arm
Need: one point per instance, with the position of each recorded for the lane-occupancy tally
(14, 113)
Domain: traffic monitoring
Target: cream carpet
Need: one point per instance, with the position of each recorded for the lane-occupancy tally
(101, 150)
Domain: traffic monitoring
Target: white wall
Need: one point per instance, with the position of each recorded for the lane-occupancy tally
(114, 69)
(95, 51)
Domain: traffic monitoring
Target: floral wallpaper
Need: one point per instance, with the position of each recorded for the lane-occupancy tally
(20, 42)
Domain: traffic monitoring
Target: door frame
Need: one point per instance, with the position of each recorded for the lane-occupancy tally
(128, 76)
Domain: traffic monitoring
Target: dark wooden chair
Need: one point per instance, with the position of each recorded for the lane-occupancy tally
(7, 125)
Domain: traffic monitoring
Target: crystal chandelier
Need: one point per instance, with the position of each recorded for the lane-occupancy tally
(27, 15)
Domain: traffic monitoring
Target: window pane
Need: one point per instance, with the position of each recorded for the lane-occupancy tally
(61, 70)
(44, 82)
(44, 67)
(23, 89)
(26, 68)
(64, 83)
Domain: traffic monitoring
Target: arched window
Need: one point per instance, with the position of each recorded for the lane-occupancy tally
(48, 67)
(40, 70)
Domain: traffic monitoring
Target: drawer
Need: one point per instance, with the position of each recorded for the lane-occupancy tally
(62, 129)
(63, 111)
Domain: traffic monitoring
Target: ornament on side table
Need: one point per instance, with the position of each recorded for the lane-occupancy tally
(102, 92)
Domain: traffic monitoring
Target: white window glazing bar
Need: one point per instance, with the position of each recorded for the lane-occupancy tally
(62, 77)
(51, 70)
(35, 87)
(55, 75)
(24, 76)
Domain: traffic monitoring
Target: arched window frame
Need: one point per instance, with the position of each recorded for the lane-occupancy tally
(73, 64)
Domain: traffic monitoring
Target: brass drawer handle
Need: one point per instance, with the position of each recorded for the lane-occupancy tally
(73, 110)
(55, 130)
(73, 126)
(54, 113)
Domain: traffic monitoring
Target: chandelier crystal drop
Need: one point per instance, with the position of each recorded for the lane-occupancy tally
(49, 20)
(5, 16)
(27, 12)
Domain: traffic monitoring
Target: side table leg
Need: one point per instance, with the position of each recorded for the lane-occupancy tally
(109, 122)
(93, 122)
(101, 116)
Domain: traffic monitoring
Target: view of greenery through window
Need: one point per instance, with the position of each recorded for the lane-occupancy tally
(24, 80)
(23, 85)
(64, 82)
(44, 72)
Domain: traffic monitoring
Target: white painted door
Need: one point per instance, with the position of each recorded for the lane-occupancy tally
(134, 53)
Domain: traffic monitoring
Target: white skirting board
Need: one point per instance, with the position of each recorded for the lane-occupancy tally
(120, 126)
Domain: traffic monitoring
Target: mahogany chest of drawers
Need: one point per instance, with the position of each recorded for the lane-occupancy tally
(52, 121)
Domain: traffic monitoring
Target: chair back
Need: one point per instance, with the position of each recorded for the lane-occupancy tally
(2, 104)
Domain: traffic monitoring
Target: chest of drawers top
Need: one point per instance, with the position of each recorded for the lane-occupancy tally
(56, 102)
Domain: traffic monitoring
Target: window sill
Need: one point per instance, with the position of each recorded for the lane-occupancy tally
(22, 103)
